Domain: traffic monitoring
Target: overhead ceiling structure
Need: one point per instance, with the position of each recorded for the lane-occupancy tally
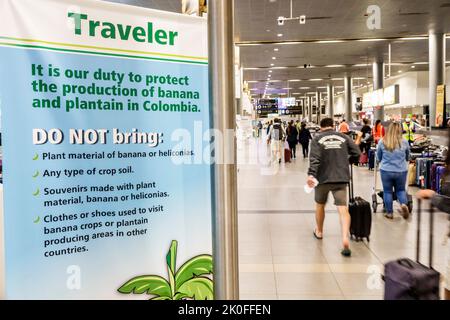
(334, 42)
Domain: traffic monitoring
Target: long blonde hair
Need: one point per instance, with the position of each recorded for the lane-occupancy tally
(393, 139)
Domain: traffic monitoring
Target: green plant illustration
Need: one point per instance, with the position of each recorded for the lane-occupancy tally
(189, 282)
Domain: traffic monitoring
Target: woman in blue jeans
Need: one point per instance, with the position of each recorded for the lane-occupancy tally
(393, 154)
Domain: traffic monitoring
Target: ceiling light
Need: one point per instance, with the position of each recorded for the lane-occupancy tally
(415, 38)
(276, 49)
(270, 71)
(295, 80)
(305, 88)
(370, 40)
(274, 58)
(315, 79)
(399, 71)
(334, 66)
(413, 67)
(279, 35)
(329, 41)
(271, 64)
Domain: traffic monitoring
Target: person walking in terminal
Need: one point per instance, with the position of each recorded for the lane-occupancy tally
(292, 138)
(344, 127)
(329, 171)
(393, 153)
(367, 137)
(276, 138)
(378, 131)
(409, 129)
(304, 137)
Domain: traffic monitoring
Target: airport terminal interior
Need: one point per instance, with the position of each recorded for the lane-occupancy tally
(346, 49)
(352, 60)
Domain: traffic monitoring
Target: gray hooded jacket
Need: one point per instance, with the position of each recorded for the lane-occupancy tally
(331, 154)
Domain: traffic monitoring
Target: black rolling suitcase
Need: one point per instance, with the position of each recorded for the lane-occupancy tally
(406, 279)
(360, 213)
(423, 173)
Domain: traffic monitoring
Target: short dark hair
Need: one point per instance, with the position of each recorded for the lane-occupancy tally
(326, 123)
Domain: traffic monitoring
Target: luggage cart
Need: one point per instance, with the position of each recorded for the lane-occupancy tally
(378, 193)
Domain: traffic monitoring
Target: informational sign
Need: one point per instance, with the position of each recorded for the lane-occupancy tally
(440, 106)
(382, 97)
(107, 186)
(391, 95)
(264, 107)
(284, 103)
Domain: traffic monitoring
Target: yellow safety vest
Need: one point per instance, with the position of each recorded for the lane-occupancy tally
(409, 133)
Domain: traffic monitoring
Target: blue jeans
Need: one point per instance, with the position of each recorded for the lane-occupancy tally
(394, 181)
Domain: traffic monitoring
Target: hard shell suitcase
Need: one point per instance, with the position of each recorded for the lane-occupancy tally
(360, 213)
(287, 155)
(434, 178)
(363, 159)
(406, 279)
(423, 178)
(440, 173)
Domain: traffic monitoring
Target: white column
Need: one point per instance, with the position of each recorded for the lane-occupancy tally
(437, 69)
(348, 98)
(378, 83)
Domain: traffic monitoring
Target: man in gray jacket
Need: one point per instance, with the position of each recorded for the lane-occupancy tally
(331, 154)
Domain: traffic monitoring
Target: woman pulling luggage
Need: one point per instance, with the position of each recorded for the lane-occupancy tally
(393, 154)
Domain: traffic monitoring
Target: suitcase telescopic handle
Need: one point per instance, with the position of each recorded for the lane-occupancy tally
(431, 235)
(350, 185)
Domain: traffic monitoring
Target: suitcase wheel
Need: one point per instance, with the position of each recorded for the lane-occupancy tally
(374, 206)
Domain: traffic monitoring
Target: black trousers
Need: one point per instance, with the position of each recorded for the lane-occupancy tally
(305, 147)
(364, 147)
(293, 147)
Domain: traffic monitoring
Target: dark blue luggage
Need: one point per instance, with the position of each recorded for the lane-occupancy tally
(440, 173)
(406, 279)
(434, 176)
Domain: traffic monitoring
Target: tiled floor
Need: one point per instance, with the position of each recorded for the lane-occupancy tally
(280, 258)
